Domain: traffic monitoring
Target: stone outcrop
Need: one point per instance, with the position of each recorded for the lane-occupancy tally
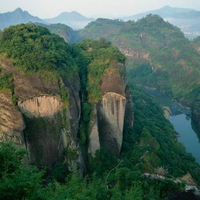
(108, 115)
(40, 106)
(94, 133)
(50, 126)
(57, 127)
(135, 53)
(111, 121)
(11, 121)
(39, 101)
(29, 86)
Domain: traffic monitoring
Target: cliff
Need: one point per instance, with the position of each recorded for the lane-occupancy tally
(11, 120)
(44, 108)
(109, 122)
(45, 135)
(44, 115)
(41, 106)
(110, 111)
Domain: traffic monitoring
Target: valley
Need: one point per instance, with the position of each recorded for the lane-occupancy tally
(75, 125)
(180, 118)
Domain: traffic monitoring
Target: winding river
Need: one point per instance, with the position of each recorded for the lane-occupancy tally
(180, 118)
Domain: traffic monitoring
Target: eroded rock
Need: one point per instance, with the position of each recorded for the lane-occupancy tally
(11, 120)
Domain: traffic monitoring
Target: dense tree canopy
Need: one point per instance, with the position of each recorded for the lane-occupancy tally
(34, 48)
(146, 147)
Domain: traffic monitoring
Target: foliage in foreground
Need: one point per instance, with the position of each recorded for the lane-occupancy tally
(18, 181)
(107, 178)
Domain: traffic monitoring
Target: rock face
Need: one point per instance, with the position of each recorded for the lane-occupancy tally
(94, 133)
(41, 106)
(45, 116)
(56, 127)
(109, 113)
(111, 121)
(11, 121)
(50, 126)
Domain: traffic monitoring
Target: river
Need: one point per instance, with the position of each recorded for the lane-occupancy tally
(180, 118)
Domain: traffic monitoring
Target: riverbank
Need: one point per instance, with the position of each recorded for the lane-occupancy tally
(180, 117)
(167, 111)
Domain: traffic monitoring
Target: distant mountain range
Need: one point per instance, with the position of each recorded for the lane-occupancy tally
(186, 19)
(72, 19)
(18, 16)
(164, 12)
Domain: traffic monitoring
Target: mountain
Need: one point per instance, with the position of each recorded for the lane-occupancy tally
(158, 56)
(62, 30)
(186, 19)
(18, 16)
(71, 108)
(44, 80)
(72, 19)
(164, 12)
(153, 44)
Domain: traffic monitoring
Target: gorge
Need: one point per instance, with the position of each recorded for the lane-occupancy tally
(88, 130)
(180, 118)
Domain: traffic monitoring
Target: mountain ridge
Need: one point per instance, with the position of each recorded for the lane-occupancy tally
(73, 19)
(153, 46)
(17, 16)
(186, 19)
(93, 127)
(164, 12)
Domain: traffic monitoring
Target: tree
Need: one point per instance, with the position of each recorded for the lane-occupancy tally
(17, 181)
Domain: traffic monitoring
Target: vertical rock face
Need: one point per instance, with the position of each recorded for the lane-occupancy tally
(108, 123)
(94, 133)
(111, 121)
(52, 127)
(41, 106)
(11, 121)
(45, 116)
(129, 114)
(113, 105)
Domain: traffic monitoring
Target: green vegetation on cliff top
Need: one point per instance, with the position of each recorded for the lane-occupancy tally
(158, 56)
(101, 56)
(32, 48)
(155, 47)
(149, 145)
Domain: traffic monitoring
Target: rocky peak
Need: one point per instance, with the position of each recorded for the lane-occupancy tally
(108, 122)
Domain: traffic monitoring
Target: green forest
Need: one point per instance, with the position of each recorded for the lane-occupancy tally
(158, 56)
(149, 145)
(172, 57)
(108, 177)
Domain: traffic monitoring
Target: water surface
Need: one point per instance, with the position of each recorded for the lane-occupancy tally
(180, 118)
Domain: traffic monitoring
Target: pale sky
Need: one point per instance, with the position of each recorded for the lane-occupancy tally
(92, 8)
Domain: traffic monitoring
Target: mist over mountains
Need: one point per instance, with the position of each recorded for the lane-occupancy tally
(70, 105)
(186, 19)
(18, 16)
(72, 19)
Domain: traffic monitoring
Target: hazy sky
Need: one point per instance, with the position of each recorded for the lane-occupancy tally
(92, 8)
